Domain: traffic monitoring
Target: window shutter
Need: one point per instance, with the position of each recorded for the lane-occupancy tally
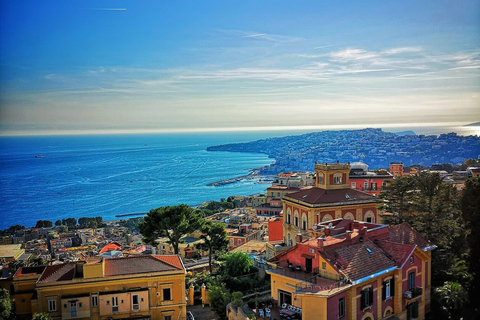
(392, 286)
(384, 290)
(370, 296)
(362, 300)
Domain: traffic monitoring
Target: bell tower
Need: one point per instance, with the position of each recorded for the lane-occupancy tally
(332, 176)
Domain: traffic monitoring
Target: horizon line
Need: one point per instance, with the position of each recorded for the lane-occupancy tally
(226, 129)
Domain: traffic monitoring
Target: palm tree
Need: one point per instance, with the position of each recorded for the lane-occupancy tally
(452, 297)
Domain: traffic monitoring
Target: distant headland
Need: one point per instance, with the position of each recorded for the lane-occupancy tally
(374, 147)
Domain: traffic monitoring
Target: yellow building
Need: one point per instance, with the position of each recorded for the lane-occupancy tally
(331, 198)
(10, 252)
(139, 287)
(356, 271)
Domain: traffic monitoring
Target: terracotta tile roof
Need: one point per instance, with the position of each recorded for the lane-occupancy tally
(358, 260)
(171, 260)
(141, 264)
(59, 272)
(404, 233)
(322, 196)
(398, 252)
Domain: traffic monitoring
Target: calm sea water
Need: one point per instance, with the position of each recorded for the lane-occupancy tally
(87, 176)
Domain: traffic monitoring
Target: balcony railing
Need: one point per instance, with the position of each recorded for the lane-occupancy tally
(413, 293)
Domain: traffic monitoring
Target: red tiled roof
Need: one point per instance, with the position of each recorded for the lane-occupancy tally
(141, 264)
(321, 196)
(110, 247)
(404, 233)
(398, 252)
(356, 262)
(171, 260)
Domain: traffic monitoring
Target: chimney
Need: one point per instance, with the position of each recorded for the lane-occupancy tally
(363, 231)
(348, 235)
(327, 231)
(352, 225)
(298, 238)
(320, 243)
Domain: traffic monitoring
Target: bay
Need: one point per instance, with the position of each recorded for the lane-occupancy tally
(106, 175)
(56, 177)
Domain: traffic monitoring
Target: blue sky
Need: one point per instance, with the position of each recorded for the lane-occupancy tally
(80, 66)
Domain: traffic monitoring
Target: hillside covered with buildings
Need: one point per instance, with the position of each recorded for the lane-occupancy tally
(372, 146)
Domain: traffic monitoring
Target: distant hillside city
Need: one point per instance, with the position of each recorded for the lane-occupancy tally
(372, 146)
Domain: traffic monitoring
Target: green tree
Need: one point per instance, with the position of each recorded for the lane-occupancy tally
(58, 223)
(214, 238)
(172, 222)
(236, 264)
(5, 304)
(63, 229)
(237, 298)
(452, 297)
(470, 207)
(427, 185)
(397, 196)
(41, 316)
(219, 298)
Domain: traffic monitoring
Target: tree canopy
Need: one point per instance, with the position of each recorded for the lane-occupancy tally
(172, 222)
(5, 304)
(214, 238)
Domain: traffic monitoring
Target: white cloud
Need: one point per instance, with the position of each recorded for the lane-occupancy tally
(351, 54)
(401, 50)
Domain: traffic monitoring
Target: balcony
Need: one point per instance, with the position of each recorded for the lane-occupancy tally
(413, 294)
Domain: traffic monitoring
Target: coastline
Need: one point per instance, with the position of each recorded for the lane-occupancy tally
(253, 174)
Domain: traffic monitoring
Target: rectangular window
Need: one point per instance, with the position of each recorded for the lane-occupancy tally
(366, 298)
(354, 185)
(94, 301)
(324, 265)
(167, 318)
(411, 281)
(52, 305)
(114, 303)
(135, 302)
(167, 294)
(341, 308)
(365, 186)
(387, 289)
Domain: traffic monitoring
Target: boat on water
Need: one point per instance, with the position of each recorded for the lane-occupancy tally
(39, 156)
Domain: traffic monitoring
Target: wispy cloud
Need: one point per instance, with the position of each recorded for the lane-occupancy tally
(401, 50)
(352, 54)
(276, 38)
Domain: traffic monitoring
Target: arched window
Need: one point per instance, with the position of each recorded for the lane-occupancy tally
(304, 222)
(337, 178)
(295, 217)
(327, 217)
(349, 216)
(320, 178)
(369, 216)
(289, 216)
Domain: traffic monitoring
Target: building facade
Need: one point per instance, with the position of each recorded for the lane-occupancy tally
(357, 270)
(331, 198)
(140, 287)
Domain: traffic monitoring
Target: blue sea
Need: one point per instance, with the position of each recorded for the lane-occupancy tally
(106, 175)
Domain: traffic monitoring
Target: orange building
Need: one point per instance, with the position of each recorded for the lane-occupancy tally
(139, 287)
(331, 198)
(356, 271)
